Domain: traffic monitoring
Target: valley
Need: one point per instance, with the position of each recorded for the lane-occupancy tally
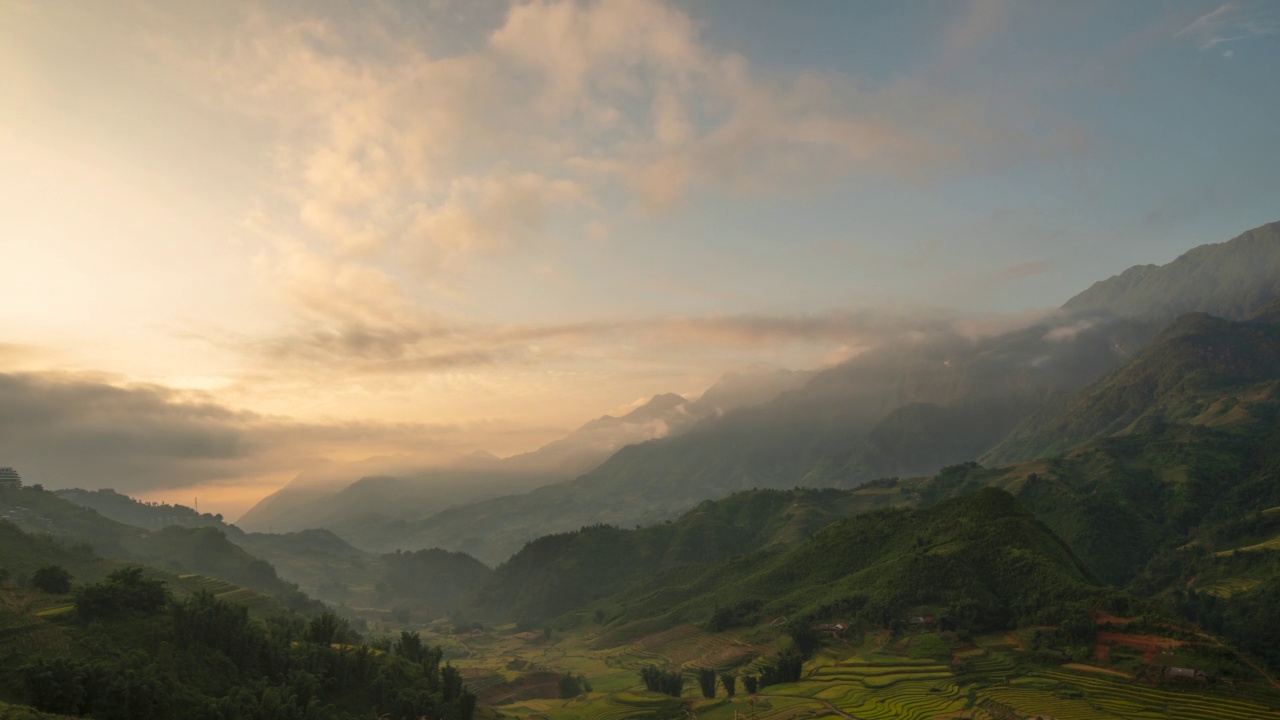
(1026, 526)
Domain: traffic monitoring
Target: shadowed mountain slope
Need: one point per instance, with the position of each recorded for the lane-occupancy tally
(982, 558)
(1231, 280)
(1193, 363)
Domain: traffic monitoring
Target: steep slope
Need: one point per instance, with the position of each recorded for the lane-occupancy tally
(1199, 359)
(204, 550)
(391, 489)
(21, 554)
(124, 509)
(903, 410)
(1230, 280)
(407, 493)
(143, 645)
(424, 585)
(983, 561)
(559, 573)
(1177, 447)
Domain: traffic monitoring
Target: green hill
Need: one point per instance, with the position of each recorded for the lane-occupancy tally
(21, 554)
(982, 560)
(204, 550)
(562, 572)
(141, 644)
(151, 516)
(908, 409)
(422, 585)
(1199, 365)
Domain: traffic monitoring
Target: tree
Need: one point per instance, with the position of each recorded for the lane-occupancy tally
(571, 686)
(804, 636)
(666, 682)
(730, 684)
(52, 579)
(125, 591)
(707, 681)
(327, 629)
(409, 646)
(751, 683)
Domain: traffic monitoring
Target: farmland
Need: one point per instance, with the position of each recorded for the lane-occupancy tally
(918, 677)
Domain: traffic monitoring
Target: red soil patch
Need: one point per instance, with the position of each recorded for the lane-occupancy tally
(1146, 643)
(1105, 619)
(1101, 651)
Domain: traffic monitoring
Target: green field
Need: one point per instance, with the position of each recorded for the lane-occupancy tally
(878, 680)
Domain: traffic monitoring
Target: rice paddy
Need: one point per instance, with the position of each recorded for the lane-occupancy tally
(876, 681)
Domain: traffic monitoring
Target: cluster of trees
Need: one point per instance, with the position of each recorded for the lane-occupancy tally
(667, 682)
(743, 612)
(786, 668)
(707, 682)
(125, 592)
(145, 655)
(571, 686)
(53, 579)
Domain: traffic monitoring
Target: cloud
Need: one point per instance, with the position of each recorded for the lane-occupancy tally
(90, 431)
(385, 145)
(400, 161)
(1069, 332)
(1021, 270)
(1231, 22)
(358, 351)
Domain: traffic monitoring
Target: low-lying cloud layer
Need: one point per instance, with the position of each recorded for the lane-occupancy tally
(82, 431)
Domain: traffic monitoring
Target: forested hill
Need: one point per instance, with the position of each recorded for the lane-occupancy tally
(151, 516)
(909, 409)
(419, 585)
(204, 550)
(981, 561)
(1197, 361)
(1230, 280)
(561, 572)
(127, 646)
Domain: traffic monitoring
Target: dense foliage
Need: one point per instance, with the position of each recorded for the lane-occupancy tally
(667, 682)
(206, 659)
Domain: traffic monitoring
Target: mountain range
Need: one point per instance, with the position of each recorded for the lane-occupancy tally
(905, 409)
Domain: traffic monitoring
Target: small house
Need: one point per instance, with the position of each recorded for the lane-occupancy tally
(1186, 674)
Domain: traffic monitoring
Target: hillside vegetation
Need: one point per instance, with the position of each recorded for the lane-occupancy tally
(1198, 361)
(204, 550)
(135, 643)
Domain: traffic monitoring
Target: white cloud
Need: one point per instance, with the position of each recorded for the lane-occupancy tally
(1230, 22)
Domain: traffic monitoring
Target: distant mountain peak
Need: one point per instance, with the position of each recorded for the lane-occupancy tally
(1232, 280)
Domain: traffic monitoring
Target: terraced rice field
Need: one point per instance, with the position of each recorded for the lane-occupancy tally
(1229, 587)
(1272, 544)
(688, 647)
(886, 687)
(223, 590)
(874, 683)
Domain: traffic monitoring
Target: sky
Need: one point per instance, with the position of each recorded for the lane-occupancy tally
(243, 240)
